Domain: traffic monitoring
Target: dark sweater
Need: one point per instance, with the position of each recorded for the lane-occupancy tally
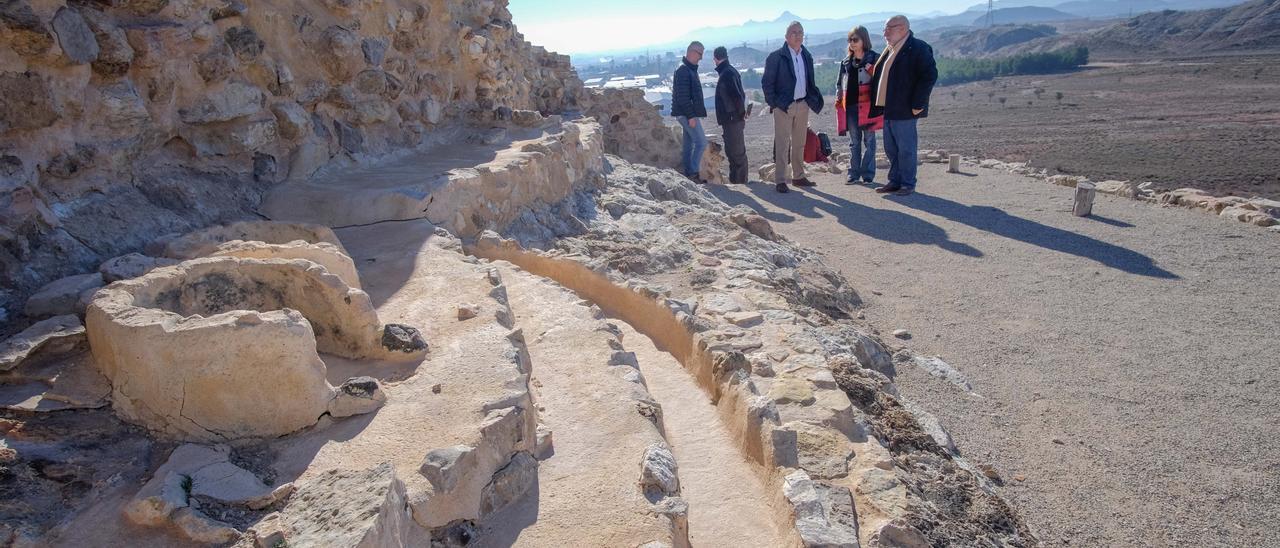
(731, 99)
(686, 92)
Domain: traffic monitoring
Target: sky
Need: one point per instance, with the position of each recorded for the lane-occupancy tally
(576, 26)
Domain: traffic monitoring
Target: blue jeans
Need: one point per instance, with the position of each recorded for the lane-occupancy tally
(695, 142)
(862, 165)
(900, 146)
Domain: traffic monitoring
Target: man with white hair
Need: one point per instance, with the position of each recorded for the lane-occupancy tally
(792, 94)
(900, 86)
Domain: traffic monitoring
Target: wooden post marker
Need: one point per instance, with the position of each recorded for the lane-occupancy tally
(955, 164)
(1084, 199)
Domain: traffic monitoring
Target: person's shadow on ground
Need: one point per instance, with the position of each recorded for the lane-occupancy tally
(996, 221)
(881, 224)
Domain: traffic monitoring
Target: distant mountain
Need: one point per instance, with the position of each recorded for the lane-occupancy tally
(985, 42)
(757, 31)
(1250, 26)
(1126, 8)
(1025, 14)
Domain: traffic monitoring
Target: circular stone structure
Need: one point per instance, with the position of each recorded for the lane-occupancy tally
(205, 242)
(223, 348)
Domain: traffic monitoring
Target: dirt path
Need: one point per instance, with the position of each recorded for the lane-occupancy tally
(1123, 366)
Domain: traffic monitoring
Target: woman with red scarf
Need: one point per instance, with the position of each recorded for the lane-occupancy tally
(853, 106)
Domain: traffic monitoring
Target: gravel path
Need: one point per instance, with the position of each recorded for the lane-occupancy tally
(1124, 366)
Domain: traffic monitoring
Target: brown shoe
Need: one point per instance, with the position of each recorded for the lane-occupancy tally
(803, 181)
(888, 188)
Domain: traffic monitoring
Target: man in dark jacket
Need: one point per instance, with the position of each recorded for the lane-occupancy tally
(792, 94)
(731, 114)
(900, 87)
(688, 107)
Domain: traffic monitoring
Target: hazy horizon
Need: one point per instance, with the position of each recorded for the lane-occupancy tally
(577, 26)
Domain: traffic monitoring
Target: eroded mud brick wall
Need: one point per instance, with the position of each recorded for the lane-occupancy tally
(121, 120)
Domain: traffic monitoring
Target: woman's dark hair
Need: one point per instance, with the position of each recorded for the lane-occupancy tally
(861, 33)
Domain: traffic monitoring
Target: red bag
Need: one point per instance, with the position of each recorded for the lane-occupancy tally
(865, 121)
(813, 148)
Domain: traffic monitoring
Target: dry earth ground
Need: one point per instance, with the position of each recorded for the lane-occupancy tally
(1211, 123)
(1123, 366)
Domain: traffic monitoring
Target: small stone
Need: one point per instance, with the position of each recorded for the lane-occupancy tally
(244, 43)
(375, 49)
(989, 471)
(201, 528)
(658, 471)
(468, 311)
(402, 338)
(357, 396)
(1058, 441)
(46, 339)
(1020, 477)
(435, 388)
(902, 334)
(132, 265)
(543, 446)
(744, 319)
(74, 35)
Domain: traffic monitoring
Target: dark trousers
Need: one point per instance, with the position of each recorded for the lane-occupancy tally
(735, 149)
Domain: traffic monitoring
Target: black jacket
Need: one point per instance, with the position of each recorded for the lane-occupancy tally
(686, 92)
(731, 99)
(911, 79)
(849, 72)
(779, 80)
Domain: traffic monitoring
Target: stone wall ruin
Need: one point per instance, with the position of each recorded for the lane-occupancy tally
(121, 121)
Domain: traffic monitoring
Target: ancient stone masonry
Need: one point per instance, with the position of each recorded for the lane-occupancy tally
(121, 121)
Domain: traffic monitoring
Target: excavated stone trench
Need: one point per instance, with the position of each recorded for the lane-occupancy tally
(729, 504)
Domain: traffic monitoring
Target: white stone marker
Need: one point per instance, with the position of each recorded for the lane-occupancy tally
(955, 164)
(1084, 199)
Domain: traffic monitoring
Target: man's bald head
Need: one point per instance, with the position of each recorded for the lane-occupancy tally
(896, 29)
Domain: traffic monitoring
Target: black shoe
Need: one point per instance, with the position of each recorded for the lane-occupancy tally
(851, 180)
(889, 188)
(782, 188)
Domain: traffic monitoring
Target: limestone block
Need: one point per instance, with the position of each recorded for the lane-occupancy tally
(322, 253)
(355, 508)
(201, 528)
(169, 487)
(1246, 215)
(817, 510)
(203, 243)
(224, 348)
(62, 297)
(43, 340)
(898, 534)
(443, 466)
(509, 483)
